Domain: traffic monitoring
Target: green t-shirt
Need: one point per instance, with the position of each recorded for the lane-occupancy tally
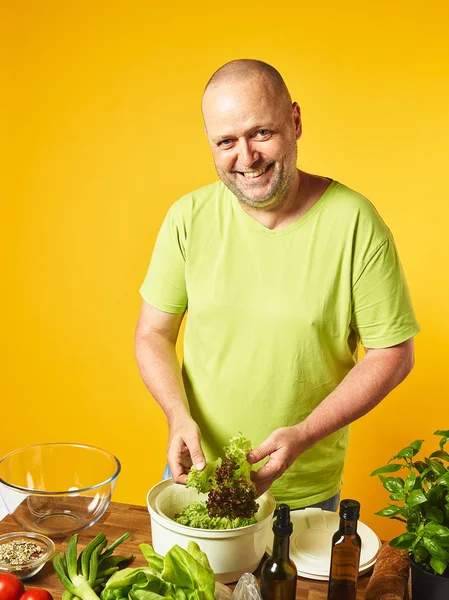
(275, 317)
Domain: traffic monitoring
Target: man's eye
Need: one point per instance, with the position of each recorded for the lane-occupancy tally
(263, 133)
(225, 142)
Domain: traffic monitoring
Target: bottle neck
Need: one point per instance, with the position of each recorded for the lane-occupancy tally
(348, 527)
(281, 546)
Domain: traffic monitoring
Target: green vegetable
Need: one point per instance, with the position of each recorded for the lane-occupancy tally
(180, 575)
(232, 496)
(237, 450)
(85, 575)
(203, 481)
(196, 515)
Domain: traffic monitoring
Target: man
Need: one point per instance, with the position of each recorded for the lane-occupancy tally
(282, 273)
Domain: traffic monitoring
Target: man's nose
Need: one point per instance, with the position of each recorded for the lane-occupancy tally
(247, 155)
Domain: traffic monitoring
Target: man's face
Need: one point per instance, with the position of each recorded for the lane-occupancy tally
(252, 131)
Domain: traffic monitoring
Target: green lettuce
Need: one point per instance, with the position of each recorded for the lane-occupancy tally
(180, 575)
(231, 500)
(203, 481)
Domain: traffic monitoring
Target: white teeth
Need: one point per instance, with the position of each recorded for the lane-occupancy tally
(252, 174)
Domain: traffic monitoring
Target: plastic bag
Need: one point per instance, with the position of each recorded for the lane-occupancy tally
(247, 588)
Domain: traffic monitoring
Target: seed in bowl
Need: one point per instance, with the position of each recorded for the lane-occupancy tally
(20, 552)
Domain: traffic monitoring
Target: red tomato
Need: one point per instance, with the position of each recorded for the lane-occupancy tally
(11, 588)
(36, 594)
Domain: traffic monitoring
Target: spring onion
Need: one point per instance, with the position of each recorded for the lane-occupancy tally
(84, 576)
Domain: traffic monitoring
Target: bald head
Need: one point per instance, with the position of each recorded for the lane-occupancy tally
(244, 70)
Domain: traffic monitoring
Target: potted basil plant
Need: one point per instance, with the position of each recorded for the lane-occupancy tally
(421, 499)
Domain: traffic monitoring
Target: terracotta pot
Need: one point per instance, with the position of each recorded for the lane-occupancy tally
(426, 585)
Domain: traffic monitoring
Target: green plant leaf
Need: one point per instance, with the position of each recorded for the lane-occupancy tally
(436, 530)
(398, 496)
(438, 565)
(434, 548)
(389, 511)
(388, 469)
(443, 480)
(420, 553)
(392, 484)
(181, 569)
(410, 481)
(416, 497)
(194, 550)
(434, 514)
(399, 519)
(418, 483)
(154, 560)
(413, 518)
(435, 494)
(407, 452)
(420, 466)
(437, 467)
(440, 454)
(416, 446)
(446, 511)
(403, 541)
(130, 576)
(445, 437)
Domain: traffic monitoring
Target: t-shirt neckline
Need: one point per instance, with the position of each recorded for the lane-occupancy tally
(243, 215)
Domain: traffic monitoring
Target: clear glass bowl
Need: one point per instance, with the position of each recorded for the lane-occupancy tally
(57, 489)
(28, 568)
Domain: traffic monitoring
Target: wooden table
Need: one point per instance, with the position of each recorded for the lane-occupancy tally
(120, 518)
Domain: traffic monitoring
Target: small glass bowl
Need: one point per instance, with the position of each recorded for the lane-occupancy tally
(33, 566)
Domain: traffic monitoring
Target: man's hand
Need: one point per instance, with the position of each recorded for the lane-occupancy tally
(184, 449)
(283, 447)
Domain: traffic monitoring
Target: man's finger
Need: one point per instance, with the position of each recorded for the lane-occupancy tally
(268, 472)
(196, 454)
(177, 472)
(263, 486)
(261, 489)
(257, 454)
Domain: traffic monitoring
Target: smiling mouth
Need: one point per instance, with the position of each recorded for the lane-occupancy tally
(254, 174)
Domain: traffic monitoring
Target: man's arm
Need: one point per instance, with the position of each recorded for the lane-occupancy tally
(379, 372)
(155, 346)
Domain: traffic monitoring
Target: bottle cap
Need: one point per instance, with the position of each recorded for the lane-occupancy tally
(349, 510)
(283, 525)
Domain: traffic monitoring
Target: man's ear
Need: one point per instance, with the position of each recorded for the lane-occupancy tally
(297, 120)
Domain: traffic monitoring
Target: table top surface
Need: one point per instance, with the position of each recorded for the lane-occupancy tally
(120, 518)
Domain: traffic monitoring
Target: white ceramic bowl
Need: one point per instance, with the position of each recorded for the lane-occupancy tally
(231, 552)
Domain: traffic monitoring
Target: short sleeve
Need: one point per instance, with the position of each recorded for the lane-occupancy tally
(383, 314)
(164, 286)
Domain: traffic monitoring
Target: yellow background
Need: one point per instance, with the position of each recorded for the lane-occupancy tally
(103, 132)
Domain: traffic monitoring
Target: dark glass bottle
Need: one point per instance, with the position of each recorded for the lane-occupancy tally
(346, 545)
(278, 574)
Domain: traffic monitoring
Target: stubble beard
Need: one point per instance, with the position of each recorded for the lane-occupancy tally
(282, 180)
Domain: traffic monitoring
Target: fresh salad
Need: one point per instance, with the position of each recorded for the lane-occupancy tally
(95, 573)
(231, 500)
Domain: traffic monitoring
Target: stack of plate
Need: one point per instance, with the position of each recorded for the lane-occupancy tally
(311, 543)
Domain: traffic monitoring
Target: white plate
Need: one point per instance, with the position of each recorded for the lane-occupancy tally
(311, 542)
(326, 577)
(362, 571)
